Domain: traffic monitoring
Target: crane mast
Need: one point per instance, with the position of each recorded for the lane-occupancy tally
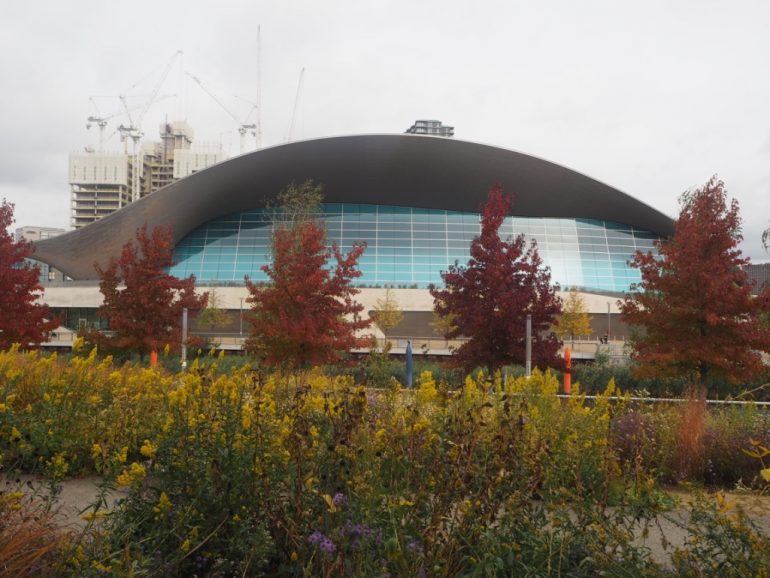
(296, 103)
(243, 126)
(259, 88)
(134, 129)
(101, 120)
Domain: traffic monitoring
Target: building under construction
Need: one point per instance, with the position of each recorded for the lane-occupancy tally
(103, 182)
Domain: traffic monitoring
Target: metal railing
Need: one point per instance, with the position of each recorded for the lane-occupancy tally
(726, 402)
(583, 349)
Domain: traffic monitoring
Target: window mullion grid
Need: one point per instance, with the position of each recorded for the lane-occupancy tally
(446, 237)
(237, 246)
(411, 243)
(203, 253)
(609, 258)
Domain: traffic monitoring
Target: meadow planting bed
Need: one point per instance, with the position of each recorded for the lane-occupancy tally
(251, 473)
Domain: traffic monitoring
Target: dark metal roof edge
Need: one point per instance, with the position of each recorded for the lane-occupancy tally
(398, 169)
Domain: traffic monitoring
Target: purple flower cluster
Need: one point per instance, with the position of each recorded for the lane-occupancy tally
(355, 533)
(324, 543)
(339, 499)
(200, 562)
(357, 530)
(415, 547)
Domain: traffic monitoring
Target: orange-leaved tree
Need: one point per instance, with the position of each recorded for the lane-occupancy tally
(306, 314)
(143, 303)
(488, 299)
(694, 304)
(22, 319)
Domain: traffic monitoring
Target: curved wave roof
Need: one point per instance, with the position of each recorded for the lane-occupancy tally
(402, 170)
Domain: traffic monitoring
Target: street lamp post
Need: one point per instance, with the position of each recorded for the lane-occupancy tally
(184, 338)
(529, 346)
(240, 330)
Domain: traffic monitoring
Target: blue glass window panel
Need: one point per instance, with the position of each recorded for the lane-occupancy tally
(413, 245)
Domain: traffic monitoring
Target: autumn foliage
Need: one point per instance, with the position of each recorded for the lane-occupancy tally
(306, 314)
(574, 319)
(142, 302)
(22, 320)
(489, 299)
(694, 302)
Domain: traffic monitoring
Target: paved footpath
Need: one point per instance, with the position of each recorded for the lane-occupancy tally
(665, 534)
(76, 496)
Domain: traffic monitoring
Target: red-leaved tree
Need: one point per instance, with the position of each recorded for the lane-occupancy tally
(306, 314)
(488, 299)
(694, 302)
(142, 302)
(22, 319)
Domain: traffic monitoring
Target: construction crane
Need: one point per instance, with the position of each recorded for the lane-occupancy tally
(101, 120)
(134, 128)
(259, 88)
(296, 103)
(243, 126)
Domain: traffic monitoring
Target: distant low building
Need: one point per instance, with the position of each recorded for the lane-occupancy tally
(431, 127)
(31, 233)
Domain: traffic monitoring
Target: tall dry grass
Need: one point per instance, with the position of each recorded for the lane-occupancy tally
(689, 447)
(29, 537)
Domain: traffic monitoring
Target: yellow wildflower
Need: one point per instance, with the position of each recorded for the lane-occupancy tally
(96, 452)
(132, 475)
(78, 557)
(248, 412)
(427, 391)
(163, 505)
(90, 516)
(422, 423)
(58, 466)
(148, 450)
(122, 455)
(12, 374)
(77, 344)
(314, 403)
(11, 497)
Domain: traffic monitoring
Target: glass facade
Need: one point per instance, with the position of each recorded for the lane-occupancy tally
(409, 247)
(79, 318)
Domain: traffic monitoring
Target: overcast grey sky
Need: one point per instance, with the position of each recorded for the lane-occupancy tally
(650, 97)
